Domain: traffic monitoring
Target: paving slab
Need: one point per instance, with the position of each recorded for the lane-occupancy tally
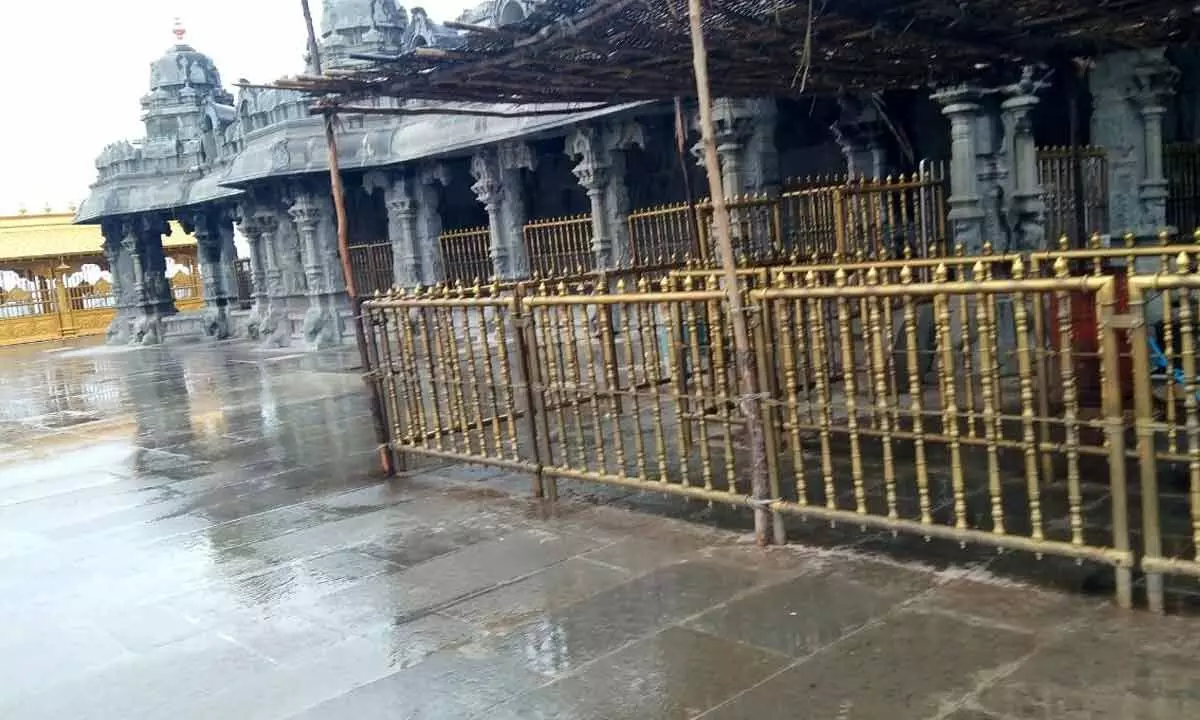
(201, 531)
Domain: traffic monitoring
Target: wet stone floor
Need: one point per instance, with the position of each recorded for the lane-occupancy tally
(198, 531)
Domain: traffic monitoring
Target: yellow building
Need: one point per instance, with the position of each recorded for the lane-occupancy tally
(54, 279)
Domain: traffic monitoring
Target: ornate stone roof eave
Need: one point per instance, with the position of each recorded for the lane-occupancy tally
(298, 147)
(126, 196)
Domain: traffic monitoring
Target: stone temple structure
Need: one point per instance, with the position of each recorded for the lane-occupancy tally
(257, 164)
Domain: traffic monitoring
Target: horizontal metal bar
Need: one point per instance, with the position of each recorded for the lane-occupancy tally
(674, 488)
(466, 457)
(1090, 283)
(1165, 281)
(386, 302)
(1108, 556)
(1171, 566)
(626, 298)
(981, 441)
(1110, 252)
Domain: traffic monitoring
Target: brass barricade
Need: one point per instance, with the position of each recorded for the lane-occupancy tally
(810, 221)
(560, 247)
(449, 370)
(1162, 336)
(664, 234)
(1181, 166)
(638, 388)
(880, 217)
(372, 268)
(945, 398)
(1062, 194)
(467, 255)
(879, 425)
(29, 314)
(92, 307)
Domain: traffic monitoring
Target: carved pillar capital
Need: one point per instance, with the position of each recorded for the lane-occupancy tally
(516, 155)
(586, 145)
(1154, 83)
(305, 212)
(488, 186)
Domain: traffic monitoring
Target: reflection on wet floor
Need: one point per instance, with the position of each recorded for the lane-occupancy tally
(199, 531)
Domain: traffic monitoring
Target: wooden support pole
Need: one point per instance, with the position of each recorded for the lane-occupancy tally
(339, 205)
(748, 401)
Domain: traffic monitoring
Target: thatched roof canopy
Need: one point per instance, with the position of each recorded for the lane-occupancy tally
(624, 50)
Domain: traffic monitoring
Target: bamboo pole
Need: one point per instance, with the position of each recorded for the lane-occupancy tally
(747, 402)
(339, 204)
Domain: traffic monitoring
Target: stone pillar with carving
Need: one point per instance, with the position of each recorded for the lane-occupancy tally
(321, 319)
(141, 235)
(154, 265)
(859, 133)
(227, 262)
(498, 186)
(120, 267)
(600, 154)
(273, 325)
(962, 106)
(401, 213)
(204, 226)
(253, 228)
(428, 226)
(586, 145)
(1026, 210)
(745, 135)
(1128, 94)
(1155, 79)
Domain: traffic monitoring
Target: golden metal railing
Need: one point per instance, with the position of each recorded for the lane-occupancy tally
(372, 268)
(880, 218)
(1057, 176)
(995, 400)
(812, 218)
(1162, 309)
(663, 234)
(1181, 165)
(560, 247)
(467, 255)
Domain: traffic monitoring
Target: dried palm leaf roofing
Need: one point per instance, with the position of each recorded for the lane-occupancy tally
(611, 51)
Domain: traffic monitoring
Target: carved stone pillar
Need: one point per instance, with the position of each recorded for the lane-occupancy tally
(228, 259)
(962, 106)
(593, 171)
(859, 133)
(600, 152)
(498, 186)
(745, 135)
(208, 248)
(146, 328)
(154, 265)
(272, 325)
(1155, 80)
(428, 226)
(401, 213)
(321, 322)
(1027, 210)
(1128, 94)
(253, 228)
(120, 266)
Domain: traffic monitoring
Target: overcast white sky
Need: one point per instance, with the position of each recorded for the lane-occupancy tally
(73, 72)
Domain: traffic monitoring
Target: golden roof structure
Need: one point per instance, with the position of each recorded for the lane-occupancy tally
(52, 235)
